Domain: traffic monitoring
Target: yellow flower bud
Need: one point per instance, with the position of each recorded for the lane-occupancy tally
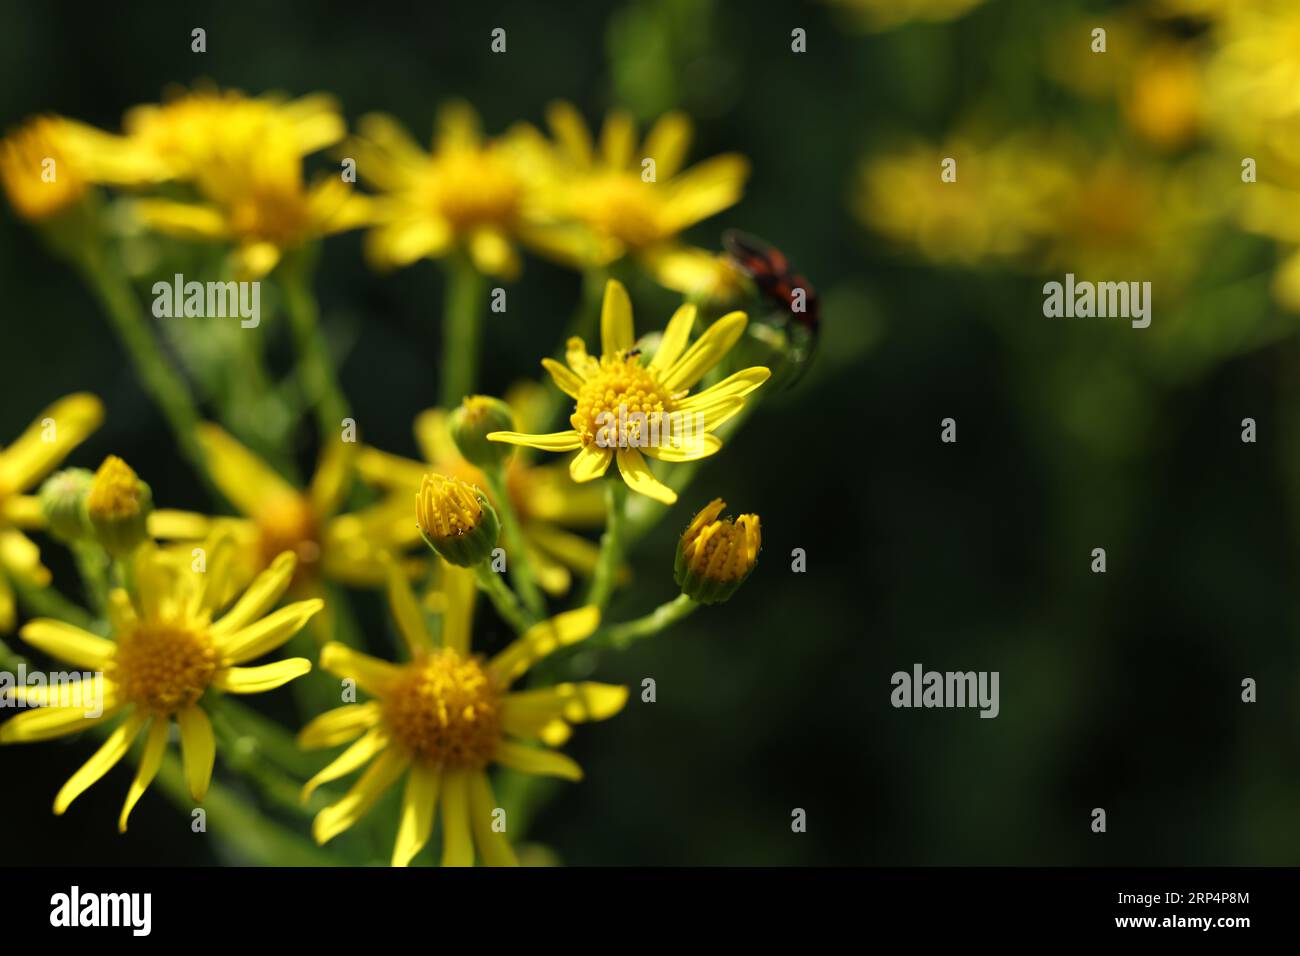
(714, 557)
(118, 505)
(456, 520)
(471, 423)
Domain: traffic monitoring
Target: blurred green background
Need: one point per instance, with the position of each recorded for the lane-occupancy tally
(1119, 691)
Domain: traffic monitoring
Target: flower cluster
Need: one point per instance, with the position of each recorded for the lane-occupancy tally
(181, 605)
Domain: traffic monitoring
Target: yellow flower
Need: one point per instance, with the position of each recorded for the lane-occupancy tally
(468, 193)
(164, 652)
(37, 452)
(443, 717)
(1001, 203)
(182, 137)
(601, 202)
(456, 520)
(39, 178)
(256, 199)
(714, 557)
(625, 410)
(278, 517)
(547, 504)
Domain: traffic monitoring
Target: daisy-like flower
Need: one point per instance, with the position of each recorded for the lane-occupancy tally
(37, 452)
(601, 202)
(164, 651)
(715, 555)
(468, 192)
(256, 200)
(625, 410)
(343, 547)
(181, 137)
(443, 717)
(548, 505)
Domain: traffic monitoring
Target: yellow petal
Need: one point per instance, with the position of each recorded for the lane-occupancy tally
(460, 590)
(537, 760)
(354, 758)
(575, 353)
(542, 639)
(245, 479)
(154, 746)
(172, 525)
(333, 477)
(396, 244)
(379, 776)
(457, 838)
(8, 612)
(590, 463)
(370, 673)
(103, 760)
(340, 725)
(68, 643)
(667, 143)
(47, 441)
(616, 333)
(618, 139)
(566, 379)
(699, 445)
(632, 465)
(555, 441)
(198, 750)
(493, 845)
(407, 611)
(259, 597)
(267, 634)
(48, 723)
(570, 131)
(708, 350)
(253, 261)
(256, 680)
(182, 219)
(703, 190)
(736, 385)
(22, 558)
(527, 714)
(492, 253)
(676, 335)
(418, 804)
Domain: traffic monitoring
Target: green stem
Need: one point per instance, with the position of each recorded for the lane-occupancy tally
(92, 565)
(164, 385)
(462, 321)
(611, 543)
(503, 598)
(620, 636)
(321, 381)
(521, 568)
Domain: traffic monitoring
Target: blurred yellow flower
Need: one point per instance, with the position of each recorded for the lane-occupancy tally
(622, 197)
(181, 137)
(1163, 101)
(37, 452)
(39, 177)
(278, 517)
(165, 651)
(1000, 204)
(546, 502)
(468, 193)
(625, 410)
(443, 717)
(256, 200)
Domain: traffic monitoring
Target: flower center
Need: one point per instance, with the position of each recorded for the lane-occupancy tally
(622, 206)
(445, 710)
(474, 188)
(163, 668)
(723, 550)
(622, 406)
(289, 524)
